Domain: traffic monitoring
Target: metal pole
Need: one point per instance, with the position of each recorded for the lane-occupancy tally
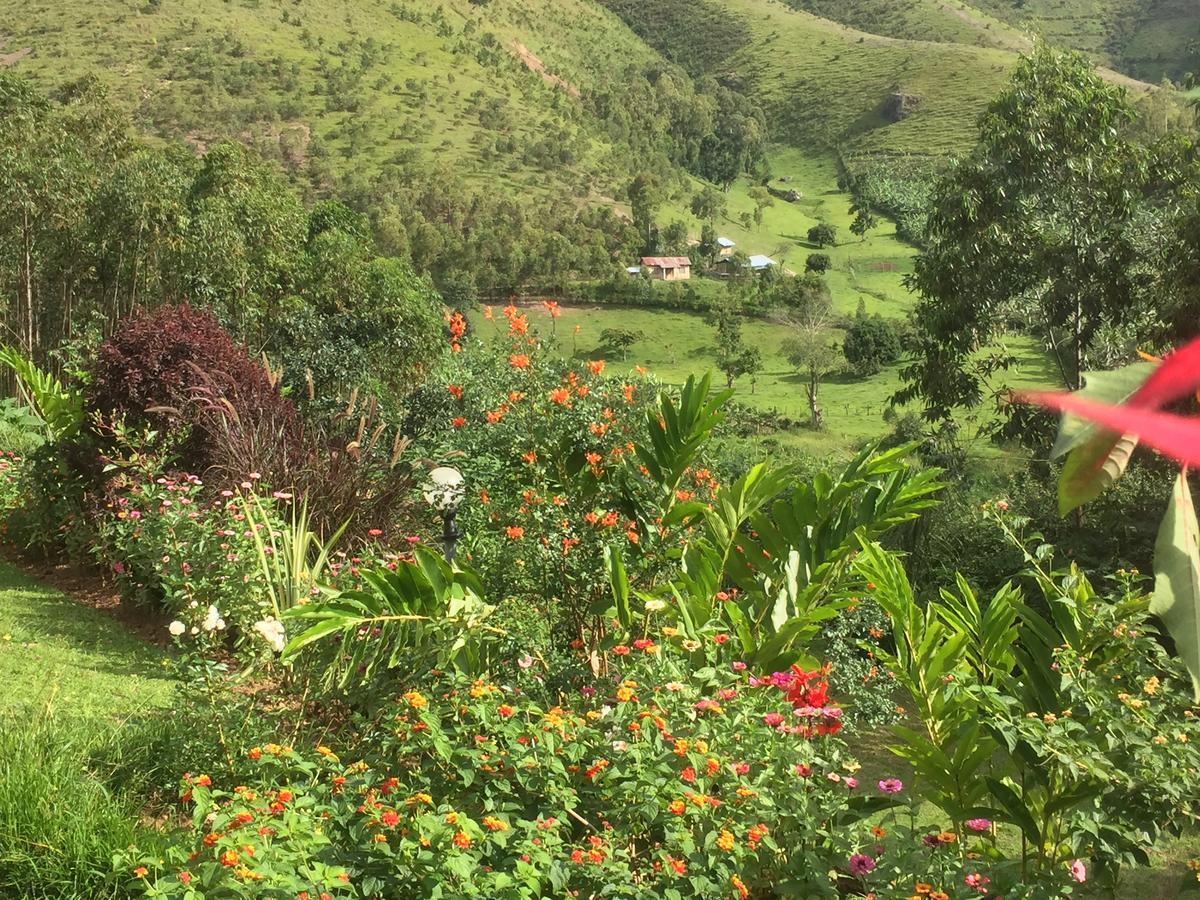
(449, 533)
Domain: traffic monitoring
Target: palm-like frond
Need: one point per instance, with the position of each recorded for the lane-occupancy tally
(423, 615)
(785, 546)
(59, 407)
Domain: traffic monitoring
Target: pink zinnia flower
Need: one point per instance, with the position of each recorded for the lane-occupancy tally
(891, 785)
(851, 783)
(979, 826)
(976, 881)
(773, 719)
(861, 864)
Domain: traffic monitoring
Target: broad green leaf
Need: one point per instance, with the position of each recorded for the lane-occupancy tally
(1177, 577)
(1093, 467)
(620, 585)
(1113, 388)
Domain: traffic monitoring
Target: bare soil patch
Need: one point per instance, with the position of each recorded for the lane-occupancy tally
(534, 64)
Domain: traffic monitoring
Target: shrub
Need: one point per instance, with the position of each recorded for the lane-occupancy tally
(548, 450)
(168, 543)
(664, 780)
(176, 370)
(870, 344)
(817, 262)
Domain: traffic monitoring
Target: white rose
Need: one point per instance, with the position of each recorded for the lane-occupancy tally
(272, 632)
(176, 628)
(212, 620)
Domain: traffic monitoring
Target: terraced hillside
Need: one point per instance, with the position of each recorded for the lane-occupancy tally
(1149, 39)
(828, 85)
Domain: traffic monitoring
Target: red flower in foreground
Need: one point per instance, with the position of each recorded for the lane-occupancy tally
(1173, 435)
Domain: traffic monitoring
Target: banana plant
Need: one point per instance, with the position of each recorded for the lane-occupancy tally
(424, 614)
(59, 408)
(1100, 427)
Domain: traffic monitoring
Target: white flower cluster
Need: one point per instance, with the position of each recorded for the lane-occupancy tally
(212, 622)
(272, 632)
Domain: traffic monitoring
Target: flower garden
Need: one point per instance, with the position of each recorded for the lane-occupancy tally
(618, 662)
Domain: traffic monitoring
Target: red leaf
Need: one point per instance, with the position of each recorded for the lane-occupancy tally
(1175, 436)
(1178, 376)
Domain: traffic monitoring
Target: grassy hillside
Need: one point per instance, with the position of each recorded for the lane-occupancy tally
(944, 21)
(868, 271)
(827, 85)
(1149, 39)
(356, 83)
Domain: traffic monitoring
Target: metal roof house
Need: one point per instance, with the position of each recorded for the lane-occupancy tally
(758, 263)
(725, 246)
(668, 268)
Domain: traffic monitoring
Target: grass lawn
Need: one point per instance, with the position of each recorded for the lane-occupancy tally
(679, 344)
(863, 270)
(59, 656)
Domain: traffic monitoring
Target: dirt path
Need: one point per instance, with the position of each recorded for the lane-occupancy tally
(534, 64)
(11, 59)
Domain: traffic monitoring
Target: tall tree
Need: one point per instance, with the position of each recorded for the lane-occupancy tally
(734, 358)
(814, 353)
(1034, 226)
(645, 196)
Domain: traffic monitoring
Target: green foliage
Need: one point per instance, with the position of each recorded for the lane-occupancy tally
(1031, 716)
(59, 408)
(401, 619)
(870, 344)
(293, 561)
(1002, 248)
(1096, 458)
(430, 802)
(169, 545)
(813, 351)
(776, 549)
(822, 234)
(733, 357)
(817, 262)
(59, 826)
(1177, 578)
(619, 340)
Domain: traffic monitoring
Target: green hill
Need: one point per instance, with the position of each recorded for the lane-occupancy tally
(943, 21)
(1148, 39)
(492, 92)
(826, 85)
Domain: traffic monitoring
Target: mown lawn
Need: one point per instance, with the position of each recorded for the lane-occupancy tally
(679, 344)
(59, 656)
